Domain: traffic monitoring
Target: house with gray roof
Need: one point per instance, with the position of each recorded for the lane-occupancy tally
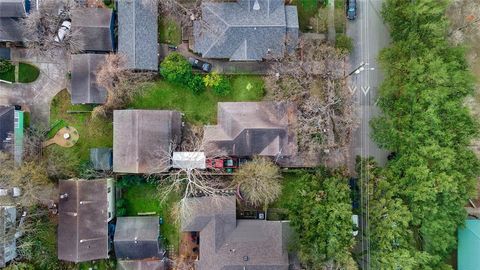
(8, 232)
(138, 34)
(84, 87)
(251, 128)
(10, 12)
(85, 208)
(143, 140)
(96, 27)
(230, 244)
(11, 132)
(137, 238)
(246, 30)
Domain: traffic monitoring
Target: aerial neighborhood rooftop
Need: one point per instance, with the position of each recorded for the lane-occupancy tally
(239, 134)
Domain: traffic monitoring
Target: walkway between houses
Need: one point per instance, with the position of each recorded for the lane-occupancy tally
(38, 94)
(221, 66)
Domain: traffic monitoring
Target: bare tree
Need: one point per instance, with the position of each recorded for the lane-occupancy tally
(42, 24)
(259, 181)
(313, 78)
(122, 85)
(31, 177)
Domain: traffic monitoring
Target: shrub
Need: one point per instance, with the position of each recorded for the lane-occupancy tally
(212, 79)
(196, 84)
(223, 87)
(5, 66)
(176, 69)
(344, 43)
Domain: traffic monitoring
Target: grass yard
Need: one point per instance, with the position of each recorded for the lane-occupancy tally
(142, 197)
(198, 108)
(93, 132)
(98, 265)
(8, 76)
(289, 182)
(169, 31)
(27, 73)
(306, 10)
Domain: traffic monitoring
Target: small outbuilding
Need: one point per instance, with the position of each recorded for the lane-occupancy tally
(137, 238)
(8, 243)
(101, 158)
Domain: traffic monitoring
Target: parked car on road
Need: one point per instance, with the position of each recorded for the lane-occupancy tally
(63, 31)
(355, 225)
(197, 63)
(351, 9)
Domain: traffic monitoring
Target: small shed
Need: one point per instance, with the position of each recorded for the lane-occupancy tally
(469, 245)
(101, 158)
(188, 160)
(137, 238)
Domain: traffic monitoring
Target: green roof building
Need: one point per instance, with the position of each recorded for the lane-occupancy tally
(469, 245)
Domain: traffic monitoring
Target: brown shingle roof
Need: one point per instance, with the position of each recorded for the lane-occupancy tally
(250, 128)
(227, 243)
(83, 214)
(142, 139)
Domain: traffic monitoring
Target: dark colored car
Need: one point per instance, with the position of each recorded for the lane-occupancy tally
(196, 63)
(351, 9)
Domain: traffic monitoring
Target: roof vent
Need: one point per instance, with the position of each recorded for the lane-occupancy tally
(245, 258)
(256, 5)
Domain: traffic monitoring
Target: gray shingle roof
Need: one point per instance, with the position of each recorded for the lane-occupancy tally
(142, 139)
(101, 158)
(84, 85)
(82, 228)
(137, 238)
(10, 30)
(7, 127)
(12, 8)
(94, 25)
(251, 128)
(138, 34)
(227, 243)
(237, 31)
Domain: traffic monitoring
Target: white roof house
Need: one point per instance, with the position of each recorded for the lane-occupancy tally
(189, 160)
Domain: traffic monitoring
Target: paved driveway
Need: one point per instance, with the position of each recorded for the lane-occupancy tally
(221, 66)
(38, 94)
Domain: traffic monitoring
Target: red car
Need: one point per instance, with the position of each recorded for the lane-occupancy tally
(222, 163)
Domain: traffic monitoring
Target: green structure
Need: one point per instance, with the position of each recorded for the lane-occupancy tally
(18, 152)
(469, 245)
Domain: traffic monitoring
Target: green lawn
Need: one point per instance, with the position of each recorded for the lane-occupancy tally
(93, 132)
(143, 197)
(8, 76)
(306, 10)
(27, 73)
(169, 31)
(289, 181)
(198, 108)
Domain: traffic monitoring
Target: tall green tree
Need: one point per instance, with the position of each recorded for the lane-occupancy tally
(321, 214)
(427, 125)
(176, 69)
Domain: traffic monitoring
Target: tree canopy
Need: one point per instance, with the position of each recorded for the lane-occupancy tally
(321, 214)
(426, 124)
